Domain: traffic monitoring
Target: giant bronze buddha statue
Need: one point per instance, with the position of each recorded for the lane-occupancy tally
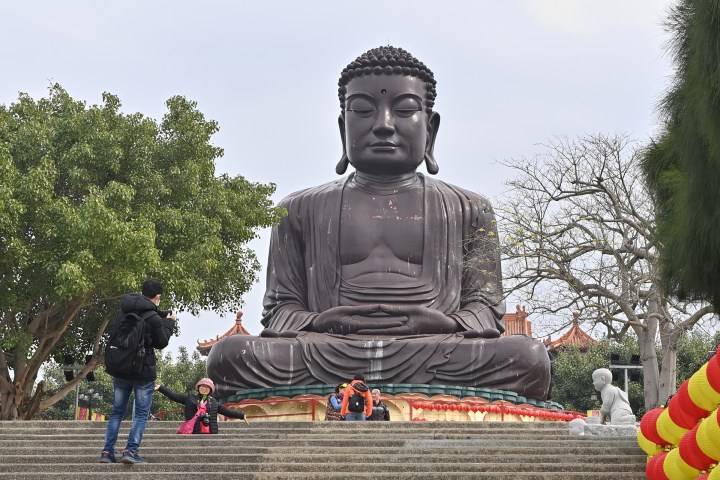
(386, 271)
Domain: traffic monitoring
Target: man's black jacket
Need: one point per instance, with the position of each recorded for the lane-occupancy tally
(158, 331)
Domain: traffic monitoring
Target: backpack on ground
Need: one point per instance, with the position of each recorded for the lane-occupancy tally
(356, 402)
(125, 350)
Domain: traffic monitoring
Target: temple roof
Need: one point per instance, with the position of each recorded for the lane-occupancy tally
(237, 329)
(573, 337)
(517, 323)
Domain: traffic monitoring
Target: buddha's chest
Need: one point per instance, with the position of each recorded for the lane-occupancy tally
(387, 223)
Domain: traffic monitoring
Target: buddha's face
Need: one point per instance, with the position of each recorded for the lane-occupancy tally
(385, 127)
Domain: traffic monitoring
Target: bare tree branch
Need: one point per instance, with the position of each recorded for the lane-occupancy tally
(578, 232)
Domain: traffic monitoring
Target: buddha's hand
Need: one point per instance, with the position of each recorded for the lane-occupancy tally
(345, 320)
(416, 320)
(487, 333)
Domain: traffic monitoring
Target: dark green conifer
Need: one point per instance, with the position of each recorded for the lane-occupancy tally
(683, 164)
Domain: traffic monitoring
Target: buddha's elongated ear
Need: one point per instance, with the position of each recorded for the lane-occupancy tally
(342, 165)
(433, 127)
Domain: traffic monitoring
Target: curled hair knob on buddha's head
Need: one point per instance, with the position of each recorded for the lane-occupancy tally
(387, 60)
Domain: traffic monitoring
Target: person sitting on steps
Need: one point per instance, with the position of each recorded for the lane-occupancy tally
(200, 411)
(380, 411)
(334, 404)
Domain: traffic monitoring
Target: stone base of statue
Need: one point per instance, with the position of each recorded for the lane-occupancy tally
(514, 363)
(581, 427)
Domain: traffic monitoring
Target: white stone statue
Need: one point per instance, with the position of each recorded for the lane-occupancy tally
(615, 405)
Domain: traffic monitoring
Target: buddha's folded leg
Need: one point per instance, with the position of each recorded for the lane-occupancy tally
(516, 363)
(242, 362)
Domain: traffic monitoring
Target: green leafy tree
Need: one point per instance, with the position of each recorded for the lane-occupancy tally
(92, 202)
(683, 163)
(694, 351)
(64, 408)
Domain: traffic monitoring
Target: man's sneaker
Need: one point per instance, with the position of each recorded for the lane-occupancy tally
(107, 457)
(132, 458)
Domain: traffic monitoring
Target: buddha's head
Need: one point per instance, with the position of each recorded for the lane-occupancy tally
(387, 124)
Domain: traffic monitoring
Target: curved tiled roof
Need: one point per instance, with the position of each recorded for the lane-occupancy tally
(237, 329)
(573, 337)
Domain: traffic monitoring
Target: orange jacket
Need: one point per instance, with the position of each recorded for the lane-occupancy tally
(349, 391)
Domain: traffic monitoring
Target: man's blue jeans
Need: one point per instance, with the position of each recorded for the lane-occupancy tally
(143, 400)
(355, 417)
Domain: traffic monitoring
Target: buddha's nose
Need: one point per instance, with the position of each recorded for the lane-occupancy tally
(384, 123)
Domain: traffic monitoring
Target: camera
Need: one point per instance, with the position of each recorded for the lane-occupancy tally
(205, 419)
(164, 313)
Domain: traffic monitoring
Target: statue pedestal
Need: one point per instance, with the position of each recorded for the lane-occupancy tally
(515, 363)
(580, 427)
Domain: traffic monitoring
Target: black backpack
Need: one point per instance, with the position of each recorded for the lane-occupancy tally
(125, 350)
(356, 402)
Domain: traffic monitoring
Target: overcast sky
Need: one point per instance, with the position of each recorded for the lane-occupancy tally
(510, 75)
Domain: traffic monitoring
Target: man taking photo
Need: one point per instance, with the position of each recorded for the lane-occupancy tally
(130, 358)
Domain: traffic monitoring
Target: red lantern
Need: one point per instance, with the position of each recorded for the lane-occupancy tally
(713, 372)
(651, 470)
(659, 471)
(691, 453)
(444, 406)
(648, 426)
(684, 412)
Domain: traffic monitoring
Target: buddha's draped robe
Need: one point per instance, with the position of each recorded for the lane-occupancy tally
(460, 277)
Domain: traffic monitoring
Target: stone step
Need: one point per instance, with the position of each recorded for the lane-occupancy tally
(505, 426)
(136, 473)
(435, 452)
(322, 450)
(159, 465)
(398, 440)
(335, 460)
(296, 434)
(342, 427)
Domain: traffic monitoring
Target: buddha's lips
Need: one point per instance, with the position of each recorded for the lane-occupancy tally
(384, 145)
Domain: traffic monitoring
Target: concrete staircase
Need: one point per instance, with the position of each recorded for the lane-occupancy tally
(319, 450)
